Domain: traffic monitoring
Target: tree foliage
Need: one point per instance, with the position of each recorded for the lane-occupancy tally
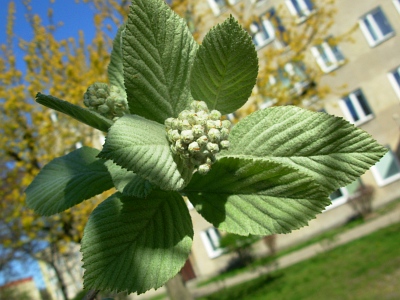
(31, 135)
(288, 73)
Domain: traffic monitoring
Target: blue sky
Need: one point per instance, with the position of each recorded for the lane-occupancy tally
(75, 17)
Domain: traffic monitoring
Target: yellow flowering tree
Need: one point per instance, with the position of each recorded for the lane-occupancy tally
(31, 136)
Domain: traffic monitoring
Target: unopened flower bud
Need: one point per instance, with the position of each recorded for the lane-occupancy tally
(224, 144)
(184, 125)
(210, 124)
(215, 115)
(194, 147)
(179, 146)
(198, 130)
(213, 148)
(204, 169)
(168, 123)
(218, 124)
(226, 124)
(214, 135)
(183, 114)
(173, 135)
(103, 109)
(187, 136)
(224, 133)
(202, 141)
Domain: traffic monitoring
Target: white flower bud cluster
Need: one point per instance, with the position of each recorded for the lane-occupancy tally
(108, 101)
(197, 135)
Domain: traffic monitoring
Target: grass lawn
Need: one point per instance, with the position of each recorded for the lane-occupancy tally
(368, 268)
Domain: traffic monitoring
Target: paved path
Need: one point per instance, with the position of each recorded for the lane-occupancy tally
(302, 254)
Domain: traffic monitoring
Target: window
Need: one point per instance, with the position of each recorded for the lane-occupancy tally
(342, 195)
(387, 169)
(376, 27)
(211, 238)
(328, 55)
(267, 28)
(218, 5)
(397, 4)
(338, 197)
(291, 79)
(355, 108)
(394, 78)
(300, 8)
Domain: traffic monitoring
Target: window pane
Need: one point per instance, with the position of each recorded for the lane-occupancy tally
(213, 236)
(371, 29)
(336, 194)
(363, 103)
(323, 55)
(396, 76)
(339, 56)
(382, 22)
(351, 109)
(220, 3)
(297, 7)
(388, 166)
(309, 4)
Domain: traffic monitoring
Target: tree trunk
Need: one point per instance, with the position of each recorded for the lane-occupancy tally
(60, 281)
(177, 290)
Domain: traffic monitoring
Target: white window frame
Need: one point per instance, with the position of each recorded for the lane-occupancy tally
(217, 9)
(397, 5)
(212, 233)
(359, 110)
(306, 12)
(330, 54)
(375, 27)
(377, 175)
(393, 81)
(268, 27)
(340, 200)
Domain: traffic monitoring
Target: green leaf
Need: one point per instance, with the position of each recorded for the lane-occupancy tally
(255, 196)
(141, 146)
(132, 244)
(327, 148)
(158, 52)
(225, 68)
(127, 182)
(116, 68)
(81, 114)
(67, 181)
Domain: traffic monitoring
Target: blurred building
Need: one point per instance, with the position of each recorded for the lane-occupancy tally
(364, 79)
(22, 289)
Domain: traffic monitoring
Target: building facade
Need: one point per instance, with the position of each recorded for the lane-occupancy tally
(363, 75)
(22, 289)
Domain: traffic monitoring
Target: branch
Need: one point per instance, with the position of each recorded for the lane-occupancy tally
(91, 295)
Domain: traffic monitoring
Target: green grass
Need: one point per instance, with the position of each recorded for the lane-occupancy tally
(330, 234)
(326, 236)
(368, 268)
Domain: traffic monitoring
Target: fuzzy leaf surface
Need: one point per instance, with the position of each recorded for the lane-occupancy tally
(326, 148)
(67, 181)
(158, 52)
(115, 68)
(141, 146)
(127, 182)
(132, 244)
(225, 68)
(255, 196)
(81, 114)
